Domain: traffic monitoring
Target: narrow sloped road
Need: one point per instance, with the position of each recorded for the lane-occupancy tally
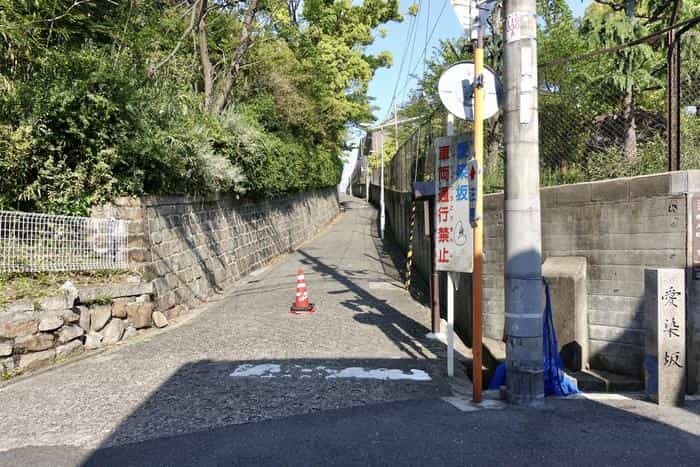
(356, 383)
(179, 381)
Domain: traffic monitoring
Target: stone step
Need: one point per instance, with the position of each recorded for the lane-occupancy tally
(604, 381)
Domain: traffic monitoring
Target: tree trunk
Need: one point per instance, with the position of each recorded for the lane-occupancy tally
(230, 78)
(207, 69)
(493, 147)
(630, 123)
(628, 103)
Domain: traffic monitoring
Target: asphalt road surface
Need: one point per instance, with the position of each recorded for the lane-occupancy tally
(246, 383)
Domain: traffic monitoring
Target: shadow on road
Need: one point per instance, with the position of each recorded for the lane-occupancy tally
(203, 394)
(201, 416)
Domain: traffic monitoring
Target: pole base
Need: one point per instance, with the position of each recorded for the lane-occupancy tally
(302, 310)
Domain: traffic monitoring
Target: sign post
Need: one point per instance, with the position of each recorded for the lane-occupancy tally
(477, 276)
(453, 240)
(473, 15)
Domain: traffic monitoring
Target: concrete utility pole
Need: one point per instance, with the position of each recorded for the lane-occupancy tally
(382, 211)
(368, 175)
(396, 123)
(478, 232)
(365, 167)
(523, 242)
(396, 127)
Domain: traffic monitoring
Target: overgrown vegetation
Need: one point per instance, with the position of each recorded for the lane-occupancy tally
(99, 99)
(37, 285)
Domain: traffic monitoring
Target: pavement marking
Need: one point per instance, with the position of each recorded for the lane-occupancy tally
(381, 373)
(274, 370)
(264, 370)
(384, 285)
(466, 405)
(437, 337)
(620, 396)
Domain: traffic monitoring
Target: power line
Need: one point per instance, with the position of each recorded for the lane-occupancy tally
(657, 35)
(410, 55)
(427, 27)
(403, 61)
(427, 42)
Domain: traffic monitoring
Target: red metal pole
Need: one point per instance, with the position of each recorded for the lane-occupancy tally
(435, 289)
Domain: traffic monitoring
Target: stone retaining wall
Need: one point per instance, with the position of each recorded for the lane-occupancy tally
(620, 226)
(191, 247)
(36, 333)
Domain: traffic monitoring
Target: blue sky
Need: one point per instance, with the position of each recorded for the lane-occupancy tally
(382, 86)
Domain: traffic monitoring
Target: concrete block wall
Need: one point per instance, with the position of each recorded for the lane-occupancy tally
(398, 211)
(191, 247)
(359, 190)
(620, 226)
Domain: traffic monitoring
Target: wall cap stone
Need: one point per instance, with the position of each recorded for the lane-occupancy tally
(90, 293)
(617, 189)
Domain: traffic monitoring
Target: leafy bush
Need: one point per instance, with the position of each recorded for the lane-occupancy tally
(106, 99)
(88, 127)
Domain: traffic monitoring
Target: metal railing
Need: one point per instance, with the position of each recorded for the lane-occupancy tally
(32, 242)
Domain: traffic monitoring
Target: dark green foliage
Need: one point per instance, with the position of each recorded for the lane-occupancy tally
(87, 127)
(104, 99)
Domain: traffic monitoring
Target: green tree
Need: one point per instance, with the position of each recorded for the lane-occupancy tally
(99, 99)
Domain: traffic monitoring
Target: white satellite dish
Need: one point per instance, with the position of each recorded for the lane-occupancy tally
(455, 89)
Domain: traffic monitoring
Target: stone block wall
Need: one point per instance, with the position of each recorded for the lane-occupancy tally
(191, 247)
(37, 333)
(620, 226)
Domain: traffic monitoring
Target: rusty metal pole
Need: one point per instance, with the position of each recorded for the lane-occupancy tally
(435, 289)
(478, 272)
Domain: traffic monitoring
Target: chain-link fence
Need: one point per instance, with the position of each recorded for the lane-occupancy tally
(40, 242)
(601, 116)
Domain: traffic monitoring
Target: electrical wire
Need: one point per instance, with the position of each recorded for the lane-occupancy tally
(427, 42)
(403, 62)
(401, 94)
(683, 25)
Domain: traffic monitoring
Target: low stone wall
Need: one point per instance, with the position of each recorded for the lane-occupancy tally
(36, 333)
(359, 190)
(621, 227)
(192, 248)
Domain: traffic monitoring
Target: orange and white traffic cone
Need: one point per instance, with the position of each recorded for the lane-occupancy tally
(301, 303)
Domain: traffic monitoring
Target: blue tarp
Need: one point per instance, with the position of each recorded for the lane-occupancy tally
(556, 382)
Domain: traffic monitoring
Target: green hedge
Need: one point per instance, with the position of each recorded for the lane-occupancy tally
(89, 126)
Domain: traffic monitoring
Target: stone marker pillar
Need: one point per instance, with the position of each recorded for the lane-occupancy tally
(566, 277)
(664, 316)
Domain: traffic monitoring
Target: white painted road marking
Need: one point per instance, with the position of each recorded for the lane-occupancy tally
(381, 373)
(248, 369)
(273, 370)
